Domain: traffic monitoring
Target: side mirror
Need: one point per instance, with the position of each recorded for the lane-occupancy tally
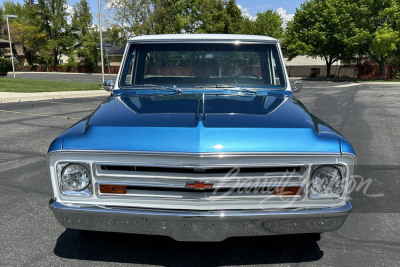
(108, 85)
(297, 86)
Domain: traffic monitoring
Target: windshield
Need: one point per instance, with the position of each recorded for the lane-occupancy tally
(203, 65)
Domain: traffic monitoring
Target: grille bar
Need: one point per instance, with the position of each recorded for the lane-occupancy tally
(183, 189)
(191, 170)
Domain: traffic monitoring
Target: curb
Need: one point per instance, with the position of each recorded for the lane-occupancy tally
(55, 72)
(8, 97)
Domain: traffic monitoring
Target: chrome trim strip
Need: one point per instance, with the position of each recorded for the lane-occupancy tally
(204, 214)
(183, 186)
(122, 66)
(288, 86)
(203, 154)
(197, 41)
(290, 165)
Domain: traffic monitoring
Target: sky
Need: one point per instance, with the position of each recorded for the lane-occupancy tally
(286, 8)
(254, 6)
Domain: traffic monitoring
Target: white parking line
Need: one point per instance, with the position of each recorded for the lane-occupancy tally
(40, 115)
(347, 85)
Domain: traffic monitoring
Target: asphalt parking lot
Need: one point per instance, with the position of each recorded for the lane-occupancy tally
(367, 114)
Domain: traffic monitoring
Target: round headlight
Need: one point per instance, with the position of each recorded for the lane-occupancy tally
(75, 176)
(327, 180)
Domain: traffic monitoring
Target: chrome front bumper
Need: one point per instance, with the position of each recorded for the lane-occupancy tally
(199, 226)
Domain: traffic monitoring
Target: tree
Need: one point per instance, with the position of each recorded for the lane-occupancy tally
(14, 9)
(42, 29)
(183, 16)
(321, 28)
(234, 18)
(220, 17)
(384, 43)
(115, 35)
(378, 30)
(24, 33)
(2, 23)
(10, 8)
(82, 19)
(88, 51)
(199, 16)
(211, 17)
(85, 35)
(159, 16)
(268, 23)
(50, 17)
(133, 16)
(29, 37)
(171, 16)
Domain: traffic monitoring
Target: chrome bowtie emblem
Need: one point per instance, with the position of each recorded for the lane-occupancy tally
(199, 185)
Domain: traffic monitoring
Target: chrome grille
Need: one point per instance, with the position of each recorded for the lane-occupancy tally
(227, 182)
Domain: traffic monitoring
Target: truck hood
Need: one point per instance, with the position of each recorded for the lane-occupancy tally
(201, 123)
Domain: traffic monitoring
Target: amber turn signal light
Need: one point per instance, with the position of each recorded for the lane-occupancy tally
(288, 191)
(112, 189)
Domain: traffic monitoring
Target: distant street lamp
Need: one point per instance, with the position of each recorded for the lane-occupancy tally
(101, 41)
(9, 39)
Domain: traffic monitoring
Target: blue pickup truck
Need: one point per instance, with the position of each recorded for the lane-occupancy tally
(201, 139)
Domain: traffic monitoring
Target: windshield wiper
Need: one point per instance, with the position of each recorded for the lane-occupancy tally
(163, 87)
(159, 87)
(238, 89)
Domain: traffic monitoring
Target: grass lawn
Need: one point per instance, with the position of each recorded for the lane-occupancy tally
(33, 86)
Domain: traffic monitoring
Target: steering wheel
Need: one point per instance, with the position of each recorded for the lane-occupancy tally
(247, 74)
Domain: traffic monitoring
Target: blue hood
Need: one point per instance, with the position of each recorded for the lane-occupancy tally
(197, 123)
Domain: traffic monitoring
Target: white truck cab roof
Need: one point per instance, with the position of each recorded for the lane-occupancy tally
(202, 37)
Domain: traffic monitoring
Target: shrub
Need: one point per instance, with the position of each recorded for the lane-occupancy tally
(5, 66)
(396, 75)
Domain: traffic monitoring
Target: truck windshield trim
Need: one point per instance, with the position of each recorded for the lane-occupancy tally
(200, 65)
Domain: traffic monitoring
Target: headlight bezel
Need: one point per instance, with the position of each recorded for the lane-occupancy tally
(313, 192)
(67, 191)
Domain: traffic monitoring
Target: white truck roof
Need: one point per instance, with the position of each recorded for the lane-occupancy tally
(202, 37)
